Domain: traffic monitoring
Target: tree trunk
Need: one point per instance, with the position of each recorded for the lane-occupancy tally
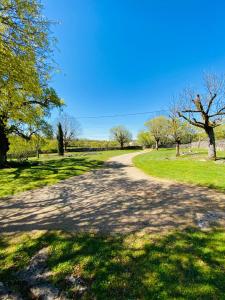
(38, 153)
(212, 143)
(178, 149)
(4, 144)
(157, 145)
(121, 145)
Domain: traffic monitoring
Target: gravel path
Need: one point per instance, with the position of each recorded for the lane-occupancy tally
(117, 198)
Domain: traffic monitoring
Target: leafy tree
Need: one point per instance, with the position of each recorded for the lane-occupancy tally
(180, 132)
(121, 135)
(158, 128)
(220, 132)
(60, 140)
(42, 131)
(206, 110)
(71, 128)
(145, 139)
(25, 48)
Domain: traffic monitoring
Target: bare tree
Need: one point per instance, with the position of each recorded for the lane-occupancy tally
(158, 128)
(71, 128)
(121, 135)
(207, 109)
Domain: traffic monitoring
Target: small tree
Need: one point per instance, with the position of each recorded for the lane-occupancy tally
(71, 129)
(60, 140)
(40, 130)
(206, 110)
(158, 128)
(145, 139)
(121, 135)
(180, 132)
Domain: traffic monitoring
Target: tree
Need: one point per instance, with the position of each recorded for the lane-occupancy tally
(71, 129)
(121, 135)
(206, 110)
(60, 140)
(41, 131)
(25, 48)
(180, 132)
(145, 139)
(158, 128)
(220, 132)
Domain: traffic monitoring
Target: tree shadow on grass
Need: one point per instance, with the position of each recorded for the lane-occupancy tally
(36, 174)
(185, 264)
(106, 200)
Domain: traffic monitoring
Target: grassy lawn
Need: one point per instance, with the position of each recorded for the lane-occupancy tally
(49, 169)
(180, 265)
(191, 167)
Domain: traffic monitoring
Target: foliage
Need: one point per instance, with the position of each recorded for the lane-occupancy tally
(121, 135)
(50, 146)
(185, 264)
(220, 132)
(20, 148)
(145, 139)
(191, 167)
(86, 143)
(158, 128)
(25, 48)
(51, 168)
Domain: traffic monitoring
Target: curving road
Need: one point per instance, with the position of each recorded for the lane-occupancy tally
(117, 198)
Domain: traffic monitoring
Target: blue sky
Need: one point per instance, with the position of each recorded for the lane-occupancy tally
(128, 56)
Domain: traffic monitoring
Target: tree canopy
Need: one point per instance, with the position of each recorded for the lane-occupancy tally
(121, 135)
(158, 128)
(25, 53)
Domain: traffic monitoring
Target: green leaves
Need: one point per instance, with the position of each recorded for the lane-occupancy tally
(25, 70)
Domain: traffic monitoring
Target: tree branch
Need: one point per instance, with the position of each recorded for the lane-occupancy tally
(194, 123)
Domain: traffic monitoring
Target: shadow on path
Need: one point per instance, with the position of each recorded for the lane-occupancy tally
(109, 200)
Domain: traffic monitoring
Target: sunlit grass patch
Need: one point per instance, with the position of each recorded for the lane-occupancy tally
(191, 168)
(186, 264)
(50, 169)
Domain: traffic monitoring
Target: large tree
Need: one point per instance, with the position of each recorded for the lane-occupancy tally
(206, 110)
(25, 48)
(158, 128)
(121, 135)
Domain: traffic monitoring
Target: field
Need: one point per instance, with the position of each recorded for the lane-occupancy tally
(51, 168)
(191, 167)
(179, 265)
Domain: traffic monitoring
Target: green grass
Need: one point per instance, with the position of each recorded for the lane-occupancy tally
(192, 168)
(180, 265)
(49, 169)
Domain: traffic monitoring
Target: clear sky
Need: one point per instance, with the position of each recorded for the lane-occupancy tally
(128, 56)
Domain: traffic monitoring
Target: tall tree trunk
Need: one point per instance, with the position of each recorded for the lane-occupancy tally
(212, 143)
(121, 145)
(178, 148)
(4, 144)
(157, 145)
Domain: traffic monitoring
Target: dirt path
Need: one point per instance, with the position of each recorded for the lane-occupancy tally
(117, 198)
